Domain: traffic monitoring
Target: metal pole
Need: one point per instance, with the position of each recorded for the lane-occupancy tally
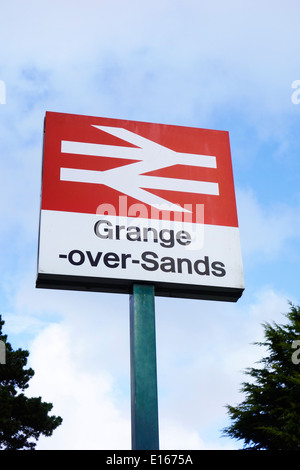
(144, 404)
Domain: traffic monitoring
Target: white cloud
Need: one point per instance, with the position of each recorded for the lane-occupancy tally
(203, 349)
(85, 399)
(199, 56)
(177, 437)
(265, 231)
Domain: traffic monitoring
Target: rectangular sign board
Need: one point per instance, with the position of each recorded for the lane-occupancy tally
(125, 202)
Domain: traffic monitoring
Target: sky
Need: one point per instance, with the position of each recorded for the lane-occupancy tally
(230, 66)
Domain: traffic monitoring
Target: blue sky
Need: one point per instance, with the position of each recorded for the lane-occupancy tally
(218, 65)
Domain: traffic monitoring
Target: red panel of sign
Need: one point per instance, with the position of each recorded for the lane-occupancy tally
(127, 158)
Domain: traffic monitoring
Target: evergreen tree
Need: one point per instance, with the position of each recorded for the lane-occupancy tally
(269, 417)
(22, 419)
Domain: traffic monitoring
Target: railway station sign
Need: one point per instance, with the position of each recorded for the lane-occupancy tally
(125, 202)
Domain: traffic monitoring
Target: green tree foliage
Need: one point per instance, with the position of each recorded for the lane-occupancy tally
(22, 419)
(269, 417)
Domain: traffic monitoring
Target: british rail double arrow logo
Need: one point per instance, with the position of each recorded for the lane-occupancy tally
(132, 179)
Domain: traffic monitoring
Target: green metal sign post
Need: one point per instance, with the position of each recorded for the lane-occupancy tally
(144, 403)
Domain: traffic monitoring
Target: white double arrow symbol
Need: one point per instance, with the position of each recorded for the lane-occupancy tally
(131, 179)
